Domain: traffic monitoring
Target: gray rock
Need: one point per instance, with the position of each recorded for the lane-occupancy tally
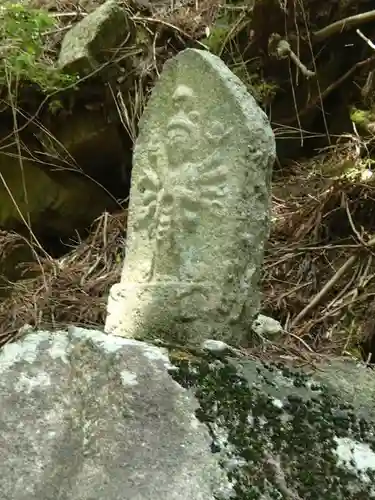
(216, 346)
(199, 208)
(264, 326)
(86, 416)
(354, 381)
(91, 42)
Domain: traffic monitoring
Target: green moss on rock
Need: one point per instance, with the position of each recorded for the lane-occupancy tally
(92, 41)
(280, 433)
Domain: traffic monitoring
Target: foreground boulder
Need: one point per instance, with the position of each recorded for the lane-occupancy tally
(85, 416)
(199, 208)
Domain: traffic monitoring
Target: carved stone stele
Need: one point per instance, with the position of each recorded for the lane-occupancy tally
(199, 208)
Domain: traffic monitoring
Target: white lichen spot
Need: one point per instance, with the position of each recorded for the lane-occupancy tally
(221, 436)
(154, 353)
(226, 491)
(233, 463)
(25, 350)
(59, 347)
(285, 419)
(88, 430)
(194, 422)
(110, 343)
(54, 416)
(358, 457)
(215, 346)
(128, 378)
(28, 384)
(277, 402)
(280, 379)
(313, 384)
(262, 421)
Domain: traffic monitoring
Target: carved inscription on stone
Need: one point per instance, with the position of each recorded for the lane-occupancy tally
(199, 208)
(181, 178)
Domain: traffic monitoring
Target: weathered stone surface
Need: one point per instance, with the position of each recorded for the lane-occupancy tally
(86, 416)
(286, 434)
(91, 41)
(355, 383)
(199, 208)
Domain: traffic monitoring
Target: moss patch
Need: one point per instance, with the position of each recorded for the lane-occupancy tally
(280, 434)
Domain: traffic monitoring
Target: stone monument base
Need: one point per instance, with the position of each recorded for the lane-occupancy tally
(155, 309)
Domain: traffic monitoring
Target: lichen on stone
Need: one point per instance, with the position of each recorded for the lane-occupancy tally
(280, 434)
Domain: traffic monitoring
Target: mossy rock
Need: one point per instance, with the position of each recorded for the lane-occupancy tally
(90, 43)
(286, 434)
(364, 119)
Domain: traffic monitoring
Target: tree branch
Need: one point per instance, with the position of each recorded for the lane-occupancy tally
(343, 25)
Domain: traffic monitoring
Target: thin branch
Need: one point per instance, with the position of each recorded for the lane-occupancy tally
(367, 40)
(350, 219)
(327, 287)
(343, 25)
(284, 50)
(330, 89)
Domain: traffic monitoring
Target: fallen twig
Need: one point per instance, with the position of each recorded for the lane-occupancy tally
(355, 231)
(318, 297)
(280, 48)
(327, 287)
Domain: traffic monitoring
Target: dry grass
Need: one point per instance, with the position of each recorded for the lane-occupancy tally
(320, 266)
(71, 290)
